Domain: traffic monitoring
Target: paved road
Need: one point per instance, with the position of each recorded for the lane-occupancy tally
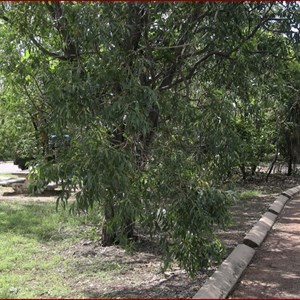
(9, 168)
(275, 270)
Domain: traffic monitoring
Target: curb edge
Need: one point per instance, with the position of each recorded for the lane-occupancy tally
(224, 279)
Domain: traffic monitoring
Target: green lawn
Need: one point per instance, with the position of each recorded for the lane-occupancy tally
(43, 252)
(33, 239)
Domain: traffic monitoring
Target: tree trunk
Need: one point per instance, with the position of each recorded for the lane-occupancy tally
(253, 169)
(108, 234)
(243, 170)
(290, 166)
(129, 228)
(107, 238)
(289, 145)
(116, 231)
(272, 165)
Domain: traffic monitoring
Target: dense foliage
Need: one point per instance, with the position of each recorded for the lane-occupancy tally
(162, 101)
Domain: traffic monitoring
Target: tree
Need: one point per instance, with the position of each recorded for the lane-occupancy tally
(16, 134)
(139, 87)
(289, 141)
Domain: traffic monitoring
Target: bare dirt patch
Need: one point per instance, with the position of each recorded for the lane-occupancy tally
(113, 272)
(134, 275)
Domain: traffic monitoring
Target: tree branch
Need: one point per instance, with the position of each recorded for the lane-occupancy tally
(45, 51)
(202, 59)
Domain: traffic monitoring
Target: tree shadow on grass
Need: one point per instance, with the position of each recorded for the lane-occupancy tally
(47, 193)
(38, 220)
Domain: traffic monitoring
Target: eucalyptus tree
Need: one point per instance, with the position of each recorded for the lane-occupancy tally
(138, 87)
(14, 129)
(288, 110)
(253, 84)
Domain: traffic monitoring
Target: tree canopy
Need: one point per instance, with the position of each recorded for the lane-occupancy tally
(162, 101)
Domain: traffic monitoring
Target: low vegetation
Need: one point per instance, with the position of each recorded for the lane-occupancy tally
(47, 253)
(34, 237)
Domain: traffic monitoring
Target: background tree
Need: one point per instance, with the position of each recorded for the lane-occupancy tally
(16, 133)
(289, 139)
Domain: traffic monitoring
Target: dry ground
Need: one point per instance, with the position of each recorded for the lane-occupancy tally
(138, 275)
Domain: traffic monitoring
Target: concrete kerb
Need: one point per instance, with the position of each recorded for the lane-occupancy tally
(224, 279)
(10, 181)
(291, 192)
(278, 204)
(220, 284)
(259, 231)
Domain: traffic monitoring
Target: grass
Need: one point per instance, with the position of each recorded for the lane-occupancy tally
(244, 195)
(38, 221)
(43, 255)
(33, 239)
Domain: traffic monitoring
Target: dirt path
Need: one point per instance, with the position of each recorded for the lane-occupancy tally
(275, 270)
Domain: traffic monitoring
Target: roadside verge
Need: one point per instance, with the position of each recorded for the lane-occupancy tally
(224, 279)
